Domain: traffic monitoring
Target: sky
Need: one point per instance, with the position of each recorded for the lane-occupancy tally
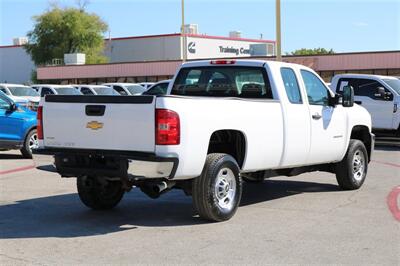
(343, 25)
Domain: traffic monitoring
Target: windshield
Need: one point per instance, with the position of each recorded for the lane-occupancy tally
(394, 84)
(135, 89)
(23, 91)
(67, 91)
(105, 91)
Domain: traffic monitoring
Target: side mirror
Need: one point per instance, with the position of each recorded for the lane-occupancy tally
(348, 96)
(380, 92)
(336, 100)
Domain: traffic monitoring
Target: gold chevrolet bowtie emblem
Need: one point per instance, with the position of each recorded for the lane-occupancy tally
(94, 125)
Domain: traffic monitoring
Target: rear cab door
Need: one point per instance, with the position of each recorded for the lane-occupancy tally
(295, 113)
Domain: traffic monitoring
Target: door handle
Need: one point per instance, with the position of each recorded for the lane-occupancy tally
(316, 116)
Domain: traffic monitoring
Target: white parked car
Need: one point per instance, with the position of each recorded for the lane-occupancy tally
(50, 89)
(221, 122)
(159, 88)
(96, 90)
(21, 94)
(127, 88)
(380, 95)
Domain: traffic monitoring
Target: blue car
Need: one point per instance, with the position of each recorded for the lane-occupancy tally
(17, 127)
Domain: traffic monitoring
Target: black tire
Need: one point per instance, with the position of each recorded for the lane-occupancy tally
(26, 150)
(345, 175)
(204, 191)
(99, 195)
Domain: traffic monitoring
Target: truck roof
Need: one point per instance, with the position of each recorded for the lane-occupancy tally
(349, 75)
(241, 62)
(13, 85)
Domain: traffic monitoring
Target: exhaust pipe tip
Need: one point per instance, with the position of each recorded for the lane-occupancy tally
(154, 190)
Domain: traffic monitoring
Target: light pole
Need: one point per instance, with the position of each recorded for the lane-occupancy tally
(183, 36)
(278, 30)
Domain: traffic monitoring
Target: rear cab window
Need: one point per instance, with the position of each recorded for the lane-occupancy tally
(223, 81)
(291, 85)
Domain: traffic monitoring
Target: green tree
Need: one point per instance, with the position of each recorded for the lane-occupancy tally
(315, 51)
(66, 30)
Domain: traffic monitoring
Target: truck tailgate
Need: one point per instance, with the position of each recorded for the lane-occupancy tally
(99, 122)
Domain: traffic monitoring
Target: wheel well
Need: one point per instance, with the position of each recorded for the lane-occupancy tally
(29, 130)
(362, 133)
(231, 142)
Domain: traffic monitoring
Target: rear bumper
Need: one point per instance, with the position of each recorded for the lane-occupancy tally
(77, 162)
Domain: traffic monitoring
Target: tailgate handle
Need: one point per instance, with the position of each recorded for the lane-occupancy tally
(95, 110)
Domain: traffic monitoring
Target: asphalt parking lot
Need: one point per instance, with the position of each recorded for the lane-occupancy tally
(303, 220)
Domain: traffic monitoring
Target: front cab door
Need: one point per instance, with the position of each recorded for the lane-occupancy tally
(328, 123)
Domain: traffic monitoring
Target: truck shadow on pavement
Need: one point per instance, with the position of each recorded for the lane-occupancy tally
(65, 216)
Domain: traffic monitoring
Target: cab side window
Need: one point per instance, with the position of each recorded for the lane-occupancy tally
(4, 105)
(46, 91)
(86, 91)
(291, 85)
(364, 87)
(317, 93)
(120, 90)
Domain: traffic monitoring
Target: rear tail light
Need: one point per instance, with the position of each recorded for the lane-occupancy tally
(40, 122)
(222, 62)
(167, 127)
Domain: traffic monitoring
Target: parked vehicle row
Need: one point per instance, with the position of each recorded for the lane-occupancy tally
(96, 90)
(18, 104)
(127, 88)
(219, 122)
(23, 95)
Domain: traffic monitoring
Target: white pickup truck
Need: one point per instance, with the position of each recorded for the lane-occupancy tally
(380, 95)
(222, 122)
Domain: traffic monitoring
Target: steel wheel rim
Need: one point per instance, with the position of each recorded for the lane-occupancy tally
(225, 189)
(33, 142)
(358, 165)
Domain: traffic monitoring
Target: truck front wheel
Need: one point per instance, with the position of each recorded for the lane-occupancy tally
(352, 170)
(218, 190)
(99, 194)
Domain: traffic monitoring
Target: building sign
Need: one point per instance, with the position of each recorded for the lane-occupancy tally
(192, 47)
(236, 51)
(204, 48)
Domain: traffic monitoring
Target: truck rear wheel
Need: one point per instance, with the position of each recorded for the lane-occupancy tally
(99, 194)
(352, 170)
(218, 190)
